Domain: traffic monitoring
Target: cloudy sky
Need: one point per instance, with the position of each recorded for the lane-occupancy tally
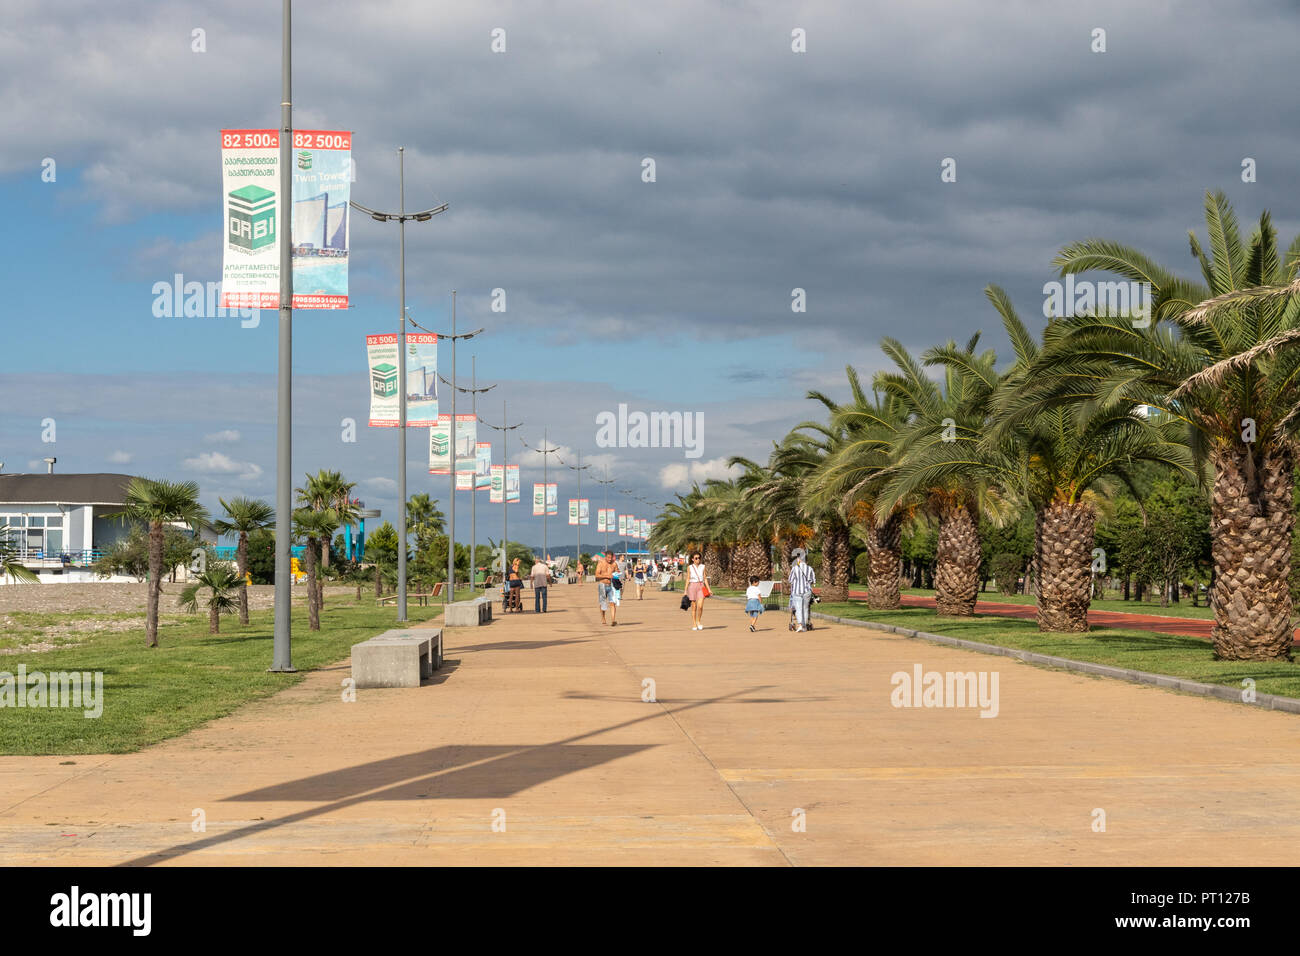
(775, 170)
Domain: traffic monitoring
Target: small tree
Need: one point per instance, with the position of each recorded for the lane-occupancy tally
(11, 565)
(1006, 570)
(223, 584)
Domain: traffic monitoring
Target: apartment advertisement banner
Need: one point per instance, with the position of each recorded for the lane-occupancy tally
(584, 511)
(466, 442)
(440, 446)
(600, 520)
(321, 226)
(573, 511)
(483, 465)
(539, 498)
(622, 525)
(552, 499)
(512, 484)
(496, 495)
(421, 379)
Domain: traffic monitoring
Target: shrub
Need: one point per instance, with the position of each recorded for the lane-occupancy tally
(1006, 570)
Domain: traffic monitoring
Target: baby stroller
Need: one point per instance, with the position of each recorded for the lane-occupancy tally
(794, 621)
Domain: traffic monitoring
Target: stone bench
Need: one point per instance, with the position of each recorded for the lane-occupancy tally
(467, 613)
(397, 658)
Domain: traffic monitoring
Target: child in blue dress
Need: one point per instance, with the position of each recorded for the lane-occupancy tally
(753, 601)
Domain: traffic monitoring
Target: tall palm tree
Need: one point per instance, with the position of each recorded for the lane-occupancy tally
(1218, 356)
(756, 526)
(156, 504)
(243, 516)
(1059, 454)
(424, 519)
(315, 527)
(328, 489)
(222, 581)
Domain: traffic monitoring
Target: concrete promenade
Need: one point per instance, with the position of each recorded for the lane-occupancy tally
(534, 746)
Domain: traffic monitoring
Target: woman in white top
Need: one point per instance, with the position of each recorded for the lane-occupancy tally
(697, 583)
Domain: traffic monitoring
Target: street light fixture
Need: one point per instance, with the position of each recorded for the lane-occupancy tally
(401, 217)
(473, 391)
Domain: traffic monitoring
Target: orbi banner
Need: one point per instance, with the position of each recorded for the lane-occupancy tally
(622, 525)
(440, 446)
(483, 465)
(497, 493)
(466, 440)
(512, 484)
(421, 379)
(322, 184)
(552, 499)
(600, 520)
(539, 498)
(573, 511)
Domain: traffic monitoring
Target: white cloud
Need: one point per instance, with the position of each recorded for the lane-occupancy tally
(227, 435)
(120, 457)
(379, 484)
(215, 463)
(680, 475)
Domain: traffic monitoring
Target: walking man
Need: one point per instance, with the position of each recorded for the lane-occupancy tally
(605, 568)
(801, 581)
(541, 576)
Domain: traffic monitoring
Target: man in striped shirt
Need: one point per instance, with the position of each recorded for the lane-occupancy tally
(801, 581)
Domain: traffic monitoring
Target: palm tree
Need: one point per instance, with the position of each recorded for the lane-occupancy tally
(11, 565)
(1057, 453)
(327, 489)
(156, 504)
(424, 519)
(939, 413)
(315, 526)
(1218, 356)
(243, 516)
(222, 581)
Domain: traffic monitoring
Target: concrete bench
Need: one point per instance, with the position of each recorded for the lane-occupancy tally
(468, 613)
(493, 593)
(397, 658)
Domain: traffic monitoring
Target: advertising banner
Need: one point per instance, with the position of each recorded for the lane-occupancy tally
(421, 379)
(622, 525)
(512, 484)
(440, 446)
(497, 494)
(600, 520)
(573, 511)
(464, 481)
(321, 226)
(466, 442)
(483, 465)
(552, 499)
(539, 498)
(584, 511)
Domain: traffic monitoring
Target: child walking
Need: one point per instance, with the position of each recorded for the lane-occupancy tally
(753, 601)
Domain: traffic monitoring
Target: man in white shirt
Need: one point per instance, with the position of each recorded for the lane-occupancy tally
(802, 578)
(541, 576)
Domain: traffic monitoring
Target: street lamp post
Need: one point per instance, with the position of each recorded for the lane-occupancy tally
(505, 495)
(473, 392)
(579, 468)
(401, 217)
(546, 452)
(607, 481)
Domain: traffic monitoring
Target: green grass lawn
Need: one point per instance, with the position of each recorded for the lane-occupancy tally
(190, 679)
(1176, 655)
(1181, 609)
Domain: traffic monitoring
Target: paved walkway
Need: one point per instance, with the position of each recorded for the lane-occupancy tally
(538, 724)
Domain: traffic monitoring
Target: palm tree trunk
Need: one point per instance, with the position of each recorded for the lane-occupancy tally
(241, 565)
(155, 582)
(1251, 531)
(1065, 566)
(884, 550)
(835, 562)
(214, 620)
(957, 563)
(313, 611)
(760, 560)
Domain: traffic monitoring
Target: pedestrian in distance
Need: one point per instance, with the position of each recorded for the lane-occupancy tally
(753, 602)
(605, 569)
(697, 589)
(541, 576)
(802, 578)
(639, 575)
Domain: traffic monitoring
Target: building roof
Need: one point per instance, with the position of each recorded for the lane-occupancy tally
(96, 489)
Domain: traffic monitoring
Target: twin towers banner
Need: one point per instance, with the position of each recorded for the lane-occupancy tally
(321, 226)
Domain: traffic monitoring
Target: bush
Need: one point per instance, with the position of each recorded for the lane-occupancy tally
(862, 567)
(1006, 570)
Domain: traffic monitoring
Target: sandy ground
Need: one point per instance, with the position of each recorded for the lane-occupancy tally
(549, 739)
(117, 598)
